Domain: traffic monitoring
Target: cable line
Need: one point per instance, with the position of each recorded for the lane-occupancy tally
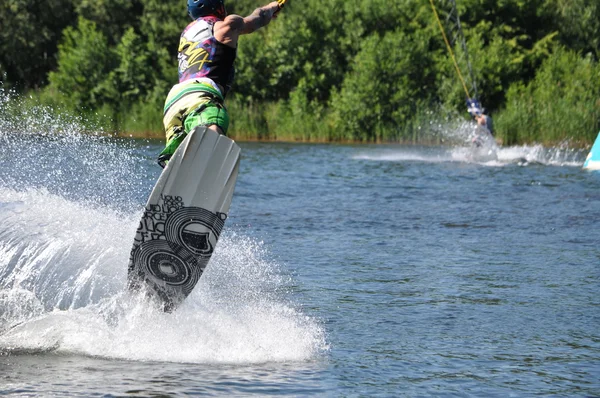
(449, 47)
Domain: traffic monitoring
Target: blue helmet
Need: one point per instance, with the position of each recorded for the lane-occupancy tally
(474, 107)
(203, 8)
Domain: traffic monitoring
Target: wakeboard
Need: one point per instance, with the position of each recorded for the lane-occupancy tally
(184, 217)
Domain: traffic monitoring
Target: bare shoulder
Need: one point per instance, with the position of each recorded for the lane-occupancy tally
(228, 30)
(231, 22)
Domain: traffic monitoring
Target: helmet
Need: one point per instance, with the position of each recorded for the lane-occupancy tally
(203, 8)
(474, 107)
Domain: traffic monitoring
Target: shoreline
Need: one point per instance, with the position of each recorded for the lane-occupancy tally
(161, 137)
(148, 135)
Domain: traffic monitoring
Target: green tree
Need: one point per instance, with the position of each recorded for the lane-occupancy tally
(84, 62)
(29, 35)
(363, 69)
(112, 17)
(162, 23)
(387, 85)
(496, 63)
(243, 7)
(562, 101)
(578, 23)
(303, 45)
(130, 81)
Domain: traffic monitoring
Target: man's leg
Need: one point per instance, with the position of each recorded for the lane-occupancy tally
(210, 115)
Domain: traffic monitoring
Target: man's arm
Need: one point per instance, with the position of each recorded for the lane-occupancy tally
(229, 30)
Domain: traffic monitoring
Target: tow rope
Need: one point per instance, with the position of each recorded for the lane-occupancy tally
(449, 47)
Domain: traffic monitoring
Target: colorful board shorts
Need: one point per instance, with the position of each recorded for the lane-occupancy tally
(193, 103)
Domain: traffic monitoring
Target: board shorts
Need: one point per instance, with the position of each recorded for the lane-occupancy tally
(193, 103)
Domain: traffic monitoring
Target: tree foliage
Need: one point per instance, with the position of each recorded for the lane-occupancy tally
(359, 70)
(86, 60)
(29, 36)
(384, 87)
(563, 97)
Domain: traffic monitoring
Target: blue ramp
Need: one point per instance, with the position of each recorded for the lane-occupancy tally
(593, 160)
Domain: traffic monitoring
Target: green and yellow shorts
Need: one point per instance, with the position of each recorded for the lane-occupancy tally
(191, 104)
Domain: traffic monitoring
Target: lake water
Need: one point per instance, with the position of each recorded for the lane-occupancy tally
(342, 271)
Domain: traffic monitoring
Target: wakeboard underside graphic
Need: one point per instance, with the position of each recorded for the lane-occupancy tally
(173, 246)
(184, 217)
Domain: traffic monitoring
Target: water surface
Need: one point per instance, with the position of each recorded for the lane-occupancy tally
(342, 271)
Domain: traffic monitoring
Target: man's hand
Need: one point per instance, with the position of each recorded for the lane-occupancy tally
(280, 4)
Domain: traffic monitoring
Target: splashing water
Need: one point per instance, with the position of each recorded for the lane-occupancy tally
(54, 152)
(457, 146)
(71, 202)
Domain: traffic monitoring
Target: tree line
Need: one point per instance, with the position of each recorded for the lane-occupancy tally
(335, 70)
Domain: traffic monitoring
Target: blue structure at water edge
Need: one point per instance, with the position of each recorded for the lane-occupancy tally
(593, 160)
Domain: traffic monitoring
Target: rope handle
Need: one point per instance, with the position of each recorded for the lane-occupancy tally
(280, 3)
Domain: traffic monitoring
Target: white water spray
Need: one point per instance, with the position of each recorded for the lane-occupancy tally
(456, 146)
(70, 203)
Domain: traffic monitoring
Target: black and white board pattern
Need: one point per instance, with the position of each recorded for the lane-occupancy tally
(184, 217)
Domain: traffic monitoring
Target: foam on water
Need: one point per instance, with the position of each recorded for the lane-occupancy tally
(62, 288)
(70, 205)
(61, 250)
(237, 313)
(456, 147)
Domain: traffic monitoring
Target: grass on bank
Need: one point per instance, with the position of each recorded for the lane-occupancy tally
(561, 104)
(570, 117)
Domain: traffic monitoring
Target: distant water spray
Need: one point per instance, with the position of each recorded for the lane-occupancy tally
(70, 202)
(455, 145)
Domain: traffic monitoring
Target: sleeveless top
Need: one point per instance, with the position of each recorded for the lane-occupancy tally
(201, 55)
